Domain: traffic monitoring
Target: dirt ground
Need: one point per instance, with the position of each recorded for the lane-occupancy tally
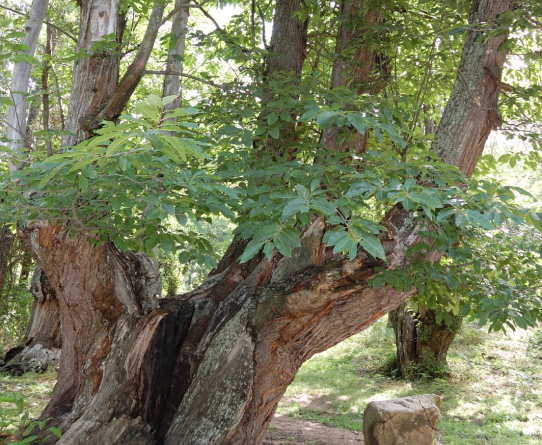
(286, 430)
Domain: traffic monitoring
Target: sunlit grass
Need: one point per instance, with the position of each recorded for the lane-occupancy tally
(36, 389)
(493, 396)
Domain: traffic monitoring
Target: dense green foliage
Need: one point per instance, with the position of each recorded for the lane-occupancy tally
(151, 179)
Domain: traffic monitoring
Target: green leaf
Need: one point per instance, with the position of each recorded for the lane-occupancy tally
(294, 206)
(155, 100)
(322, 205)
(116, 145)
(286, 240)
(274, 132)
(429, 200)
(377, 282)
(261, 236)
(268, 249)
(55, 431)
(478, 220)
(116, 203)
(272, 118)
(184, 257)
(373, 246)
(83, 182)
(358, 122)
(326, 117)
(168, 99)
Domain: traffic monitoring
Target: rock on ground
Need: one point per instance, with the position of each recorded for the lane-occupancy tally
(407, 421)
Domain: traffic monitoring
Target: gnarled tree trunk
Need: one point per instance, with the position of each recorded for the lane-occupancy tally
(209, 367)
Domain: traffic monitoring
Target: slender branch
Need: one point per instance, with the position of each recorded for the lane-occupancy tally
(188, 76)
(264, 40)
(66, 33)
(59, 98)
(176, 10)
(220, 30)
(252, 22)
(45, 87)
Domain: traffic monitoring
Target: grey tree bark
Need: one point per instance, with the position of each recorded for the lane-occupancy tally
(175, 63)
(16, 125)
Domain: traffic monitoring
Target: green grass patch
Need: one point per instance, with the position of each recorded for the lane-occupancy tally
(493, 396)
(22, 399)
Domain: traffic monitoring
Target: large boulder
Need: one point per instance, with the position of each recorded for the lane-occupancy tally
(407, 421)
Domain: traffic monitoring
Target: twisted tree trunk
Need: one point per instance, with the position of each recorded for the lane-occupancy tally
(209, 367)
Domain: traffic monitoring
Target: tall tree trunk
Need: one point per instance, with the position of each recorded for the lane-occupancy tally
(210, 366)
(470, 114)
(6, 245)
(16, 125)
(175, 63)
(95, 77)
(285, 58)
(354, 66)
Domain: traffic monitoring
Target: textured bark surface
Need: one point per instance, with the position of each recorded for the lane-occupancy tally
(422, 343)
(473, 108)
(6, 245)
(285, 58)
(94, 77)
(354, 66)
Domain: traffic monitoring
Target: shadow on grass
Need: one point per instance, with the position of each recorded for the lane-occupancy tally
(493, 396)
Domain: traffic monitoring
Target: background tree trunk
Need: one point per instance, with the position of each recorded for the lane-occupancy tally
(470, 114)
(175, 63)
(354, 66)
(42, 342)
(422, 343)
(16, 125)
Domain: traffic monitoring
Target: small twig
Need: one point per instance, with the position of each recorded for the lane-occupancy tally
(176, 10)
(264, 41)
(188, 76)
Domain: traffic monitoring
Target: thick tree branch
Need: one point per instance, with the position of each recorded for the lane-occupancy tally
(133, 74)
